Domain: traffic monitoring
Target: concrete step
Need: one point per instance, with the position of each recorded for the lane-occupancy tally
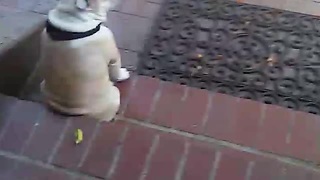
(19, 48)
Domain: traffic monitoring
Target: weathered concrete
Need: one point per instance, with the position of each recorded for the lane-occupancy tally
(19, 47)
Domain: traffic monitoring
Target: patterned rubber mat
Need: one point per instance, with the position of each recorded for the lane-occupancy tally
(248, 51)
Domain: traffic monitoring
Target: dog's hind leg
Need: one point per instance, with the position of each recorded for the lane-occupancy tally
(108, 108)
(116, 73)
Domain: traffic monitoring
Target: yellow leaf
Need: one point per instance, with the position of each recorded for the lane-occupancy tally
(79, 136)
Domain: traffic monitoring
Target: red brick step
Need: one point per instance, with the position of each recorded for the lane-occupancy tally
(266, 127)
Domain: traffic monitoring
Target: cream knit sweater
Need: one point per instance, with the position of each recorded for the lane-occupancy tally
(77, 72)
(70, 17)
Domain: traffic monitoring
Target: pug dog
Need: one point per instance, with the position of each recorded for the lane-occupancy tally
(80, 60)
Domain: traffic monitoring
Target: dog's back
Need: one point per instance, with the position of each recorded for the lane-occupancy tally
(80, 66)
(79, 56)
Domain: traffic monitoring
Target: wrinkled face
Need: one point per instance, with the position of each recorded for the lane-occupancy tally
(98, 7)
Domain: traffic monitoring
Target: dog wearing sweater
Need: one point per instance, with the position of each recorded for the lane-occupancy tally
(80, 60)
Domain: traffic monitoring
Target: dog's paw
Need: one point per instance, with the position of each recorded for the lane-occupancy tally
(123, 74)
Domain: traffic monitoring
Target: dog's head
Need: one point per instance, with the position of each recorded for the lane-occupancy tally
(97, 7)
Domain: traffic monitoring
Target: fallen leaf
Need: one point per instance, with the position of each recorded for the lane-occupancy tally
(79, 136)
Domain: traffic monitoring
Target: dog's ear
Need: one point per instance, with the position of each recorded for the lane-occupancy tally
(82, 4)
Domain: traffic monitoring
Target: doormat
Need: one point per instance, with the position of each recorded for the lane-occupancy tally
(248, 51)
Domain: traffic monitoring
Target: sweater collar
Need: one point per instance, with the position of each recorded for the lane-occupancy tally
(57, 34)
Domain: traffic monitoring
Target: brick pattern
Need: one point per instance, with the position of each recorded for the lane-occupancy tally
(45, 136)
(125, 88)
(232, 167)
(304, 142)
(134, 153)
(245, 122)
(69, 154)
(200, 155)
(29, 130)
(245, 127)
(188, 117)
(7, 104)
(22, 122)
(166, 158)
(121, 150)
(220, 118)
(266, 170)
(295, 173)
(6, 167)
(102, 151)
(166, 106)
(139, 108)
(274, 138)
(25, 171)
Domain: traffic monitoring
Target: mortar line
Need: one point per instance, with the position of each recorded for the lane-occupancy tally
(283, 172)
(285, 159)
(117, 154)
(215, 165)
(206, 114)
(59, 141)
(155, 100)
(261, 123)
(130, 14)
(249, 170)
(25, 159)
(8, 116)
(291, 125)
(41, 117)
(86, 151)
(153, 148)
(263, 115)
(185, 94)
(183, 160)
(131, 89)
